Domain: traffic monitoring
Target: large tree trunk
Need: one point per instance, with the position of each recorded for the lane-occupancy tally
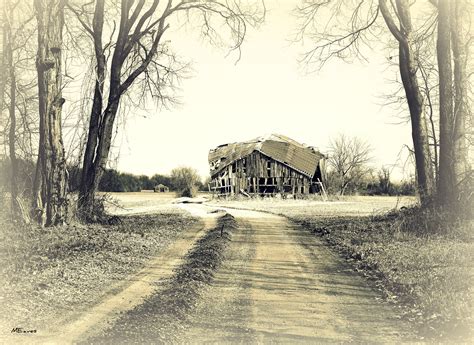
(96, 167)
(89, 181)
(408, 72)
(447, 180)
(50, 202)
(424, 168)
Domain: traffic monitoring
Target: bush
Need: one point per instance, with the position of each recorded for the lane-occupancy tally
(185, 181)
(383, 186)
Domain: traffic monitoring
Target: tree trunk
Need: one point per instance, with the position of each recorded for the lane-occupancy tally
(408, 73)
(460, 32)
(50, 203)
(424, 168)
(16, 211)
(89, 180)
(9, 75)
(3, 62)
(447, 180)
(96, 167)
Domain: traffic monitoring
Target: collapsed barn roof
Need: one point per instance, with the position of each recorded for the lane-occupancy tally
(299, 157)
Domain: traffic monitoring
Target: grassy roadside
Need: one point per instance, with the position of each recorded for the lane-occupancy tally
(49, 273)
(430, 276)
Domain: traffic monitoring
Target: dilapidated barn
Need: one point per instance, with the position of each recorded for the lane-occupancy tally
(266, 166)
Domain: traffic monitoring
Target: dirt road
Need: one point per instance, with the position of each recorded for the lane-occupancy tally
(125, 295)
(278, 284)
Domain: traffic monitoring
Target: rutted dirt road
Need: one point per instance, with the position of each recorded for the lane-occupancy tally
(128, 294)
(277, 284)
(280, 284)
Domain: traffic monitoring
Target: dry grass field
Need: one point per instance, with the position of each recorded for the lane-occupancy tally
(345, 206)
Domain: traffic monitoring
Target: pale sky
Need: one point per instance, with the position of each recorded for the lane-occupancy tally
(265, 92)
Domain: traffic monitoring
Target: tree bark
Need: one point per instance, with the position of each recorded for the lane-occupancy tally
(50, 203)
(447, 180)
(88, 177)
(460, 32)
(408, 72)
(91, 177)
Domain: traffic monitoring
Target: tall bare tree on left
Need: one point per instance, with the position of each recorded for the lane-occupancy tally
(50, 185)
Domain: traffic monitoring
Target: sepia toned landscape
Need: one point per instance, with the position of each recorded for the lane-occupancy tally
(236, 172)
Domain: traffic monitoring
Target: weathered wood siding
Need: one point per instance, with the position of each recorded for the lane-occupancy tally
(259, 174)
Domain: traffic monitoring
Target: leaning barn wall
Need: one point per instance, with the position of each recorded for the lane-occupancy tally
(259, 174)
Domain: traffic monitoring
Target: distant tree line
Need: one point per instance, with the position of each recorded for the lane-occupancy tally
(112, 180)
(115, 181)
(185, 181)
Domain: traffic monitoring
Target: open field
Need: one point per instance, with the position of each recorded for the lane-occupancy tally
(347, 206)
(140, 202)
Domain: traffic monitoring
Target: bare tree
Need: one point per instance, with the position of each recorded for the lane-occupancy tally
(136, 50)
(359, 20)
(462, 38)
(50, 187)
(185, 181)
(453, 40)
(348, 158)
(8, 76)
(14, 53)
(385, 185)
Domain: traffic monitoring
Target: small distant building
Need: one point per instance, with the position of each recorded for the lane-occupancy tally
(268, 165)
(161, 188)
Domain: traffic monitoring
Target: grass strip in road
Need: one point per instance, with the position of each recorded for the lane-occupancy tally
(161, 318)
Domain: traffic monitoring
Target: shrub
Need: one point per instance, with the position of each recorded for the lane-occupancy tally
(185, 181)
